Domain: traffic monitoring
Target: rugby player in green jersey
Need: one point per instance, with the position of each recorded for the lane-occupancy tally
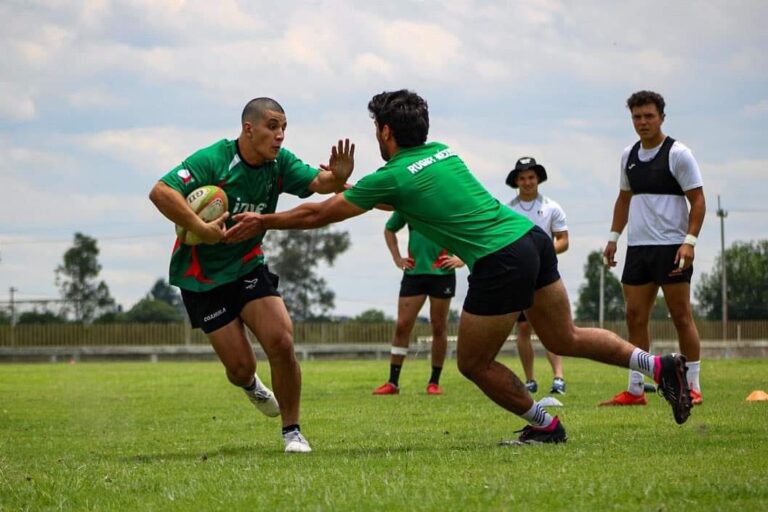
(227, 287)
(512, 263)
(428, 271)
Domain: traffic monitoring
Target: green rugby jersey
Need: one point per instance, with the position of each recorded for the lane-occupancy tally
(439, 197)
(425, 252)
(249, 189)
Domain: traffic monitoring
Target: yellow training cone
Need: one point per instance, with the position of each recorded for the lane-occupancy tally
(757, 396)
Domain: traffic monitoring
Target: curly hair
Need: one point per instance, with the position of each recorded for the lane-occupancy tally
(405, 112)
(641, 98)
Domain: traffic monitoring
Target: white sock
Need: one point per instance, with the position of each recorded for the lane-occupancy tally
(693, 375)
(538, 416)
(636, 383)
(643, 363)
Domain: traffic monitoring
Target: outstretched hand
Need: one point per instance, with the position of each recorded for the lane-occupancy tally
(247, 225)
(342, 160)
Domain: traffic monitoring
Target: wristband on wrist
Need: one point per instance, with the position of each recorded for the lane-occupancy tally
(613, 236)
(690, 240)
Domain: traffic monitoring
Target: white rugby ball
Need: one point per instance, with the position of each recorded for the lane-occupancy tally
(208, 202)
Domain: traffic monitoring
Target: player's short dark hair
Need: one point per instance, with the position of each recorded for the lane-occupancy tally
(255, 108)
(641, 98)
(405, 112)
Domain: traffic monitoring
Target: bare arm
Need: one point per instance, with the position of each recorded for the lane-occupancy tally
(620, 218)
(686, 253)
(698, 210)
(304, 216)
(561, 241)
(390, 237)
(175, 208)
(333, 176)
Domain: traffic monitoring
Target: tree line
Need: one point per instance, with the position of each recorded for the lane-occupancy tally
(296, 255)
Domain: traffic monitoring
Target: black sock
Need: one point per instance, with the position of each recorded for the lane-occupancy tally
(291, 428)
(436, 371)
(251, 386)
(394, 373)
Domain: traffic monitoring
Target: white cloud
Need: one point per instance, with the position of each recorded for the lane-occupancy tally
(16, 104)
(759, 109)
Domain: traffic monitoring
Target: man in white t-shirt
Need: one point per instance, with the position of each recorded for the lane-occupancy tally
(659, 177)
(550, 217)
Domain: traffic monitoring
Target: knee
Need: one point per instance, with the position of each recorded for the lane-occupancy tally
(636, 316)
(280, 349)
(681, 317)
(439, 329)
(469, 368)
(241, 372)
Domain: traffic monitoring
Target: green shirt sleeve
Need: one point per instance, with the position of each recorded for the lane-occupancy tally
(396, 222)
(376, 188)
(197, 169)
(296, 174)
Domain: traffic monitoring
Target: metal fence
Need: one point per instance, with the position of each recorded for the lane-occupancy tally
(74, 335)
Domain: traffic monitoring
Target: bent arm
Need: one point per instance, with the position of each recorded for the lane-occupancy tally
(172, 204)
(561, 241)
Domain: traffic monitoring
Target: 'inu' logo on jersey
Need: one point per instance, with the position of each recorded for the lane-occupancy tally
(248, 207)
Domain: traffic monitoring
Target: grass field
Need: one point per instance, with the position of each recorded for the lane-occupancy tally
(176, 436)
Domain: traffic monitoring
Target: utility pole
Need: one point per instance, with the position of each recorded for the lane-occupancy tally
(723, 278)
(13, 290)
(601, 307)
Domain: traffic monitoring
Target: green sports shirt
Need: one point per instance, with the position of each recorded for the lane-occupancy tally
(439, 197)
(249, 189)
(425, 252)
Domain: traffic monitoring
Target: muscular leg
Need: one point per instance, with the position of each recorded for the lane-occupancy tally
(550, 317)
(438, 317)
(235, 352)
(407, 310)
(268, 319)
(639, 301)
(480, 339)
(677, 297)
(525, 349)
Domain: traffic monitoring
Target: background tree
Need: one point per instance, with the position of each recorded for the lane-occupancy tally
(40, 317)
(295, 255)
(167, 293)
(153, 311)
(76, 279)
(588, 304)
(371, 316)
(747, 273)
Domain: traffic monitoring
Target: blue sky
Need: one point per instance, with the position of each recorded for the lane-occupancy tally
(99, 98)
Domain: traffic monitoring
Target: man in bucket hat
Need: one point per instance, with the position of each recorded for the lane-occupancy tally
(550, 217)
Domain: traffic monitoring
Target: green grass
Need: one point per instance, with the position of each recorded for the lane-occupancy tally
(177, 436)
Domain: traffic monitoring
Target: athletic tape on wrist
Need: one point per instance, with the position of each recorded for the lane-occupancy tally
(690, 240)
(613, 236)
(398, 351)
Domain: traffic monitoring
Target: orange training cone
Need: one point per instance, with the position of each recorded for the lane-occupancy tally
(757, 396)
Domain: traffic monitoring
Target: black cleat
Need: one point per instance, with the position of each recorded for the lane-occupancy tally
(531, 386)
(555, 433)
(673, 386)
